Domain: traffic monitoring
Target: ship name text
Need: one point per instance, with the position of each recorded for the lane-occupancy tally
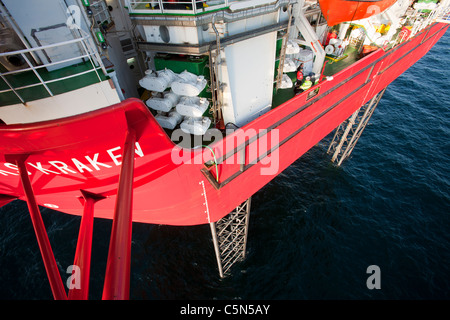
(96, 161)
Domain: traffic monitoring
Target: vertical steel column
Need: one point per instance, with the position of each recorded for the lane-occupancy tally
(212, 225)
(247, 220)
(84, 246)
(117, 277)
(51, 268)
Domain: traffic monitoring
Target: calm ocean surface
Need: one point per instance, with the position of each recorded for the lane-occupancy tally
(314, 230)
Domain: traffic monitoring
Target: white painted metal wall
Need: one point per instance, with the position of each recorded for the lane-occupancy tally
(248, 77)
(43, 23)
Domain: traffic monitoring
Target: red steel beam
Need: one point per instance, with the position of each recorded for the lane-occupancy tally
(83, 252)
(51, 268)
(117, 276)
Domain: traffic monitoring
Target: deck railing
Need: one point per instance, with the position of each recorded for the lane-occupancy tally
(176, 6)
(443, 12)
(88, 54)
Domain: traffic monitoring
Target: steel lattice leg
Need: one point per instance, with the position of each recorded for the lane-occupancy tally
(229, 236)
(349, 131)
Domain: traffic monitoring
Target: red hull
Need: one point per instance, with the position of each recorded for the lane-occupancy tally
(84, 152)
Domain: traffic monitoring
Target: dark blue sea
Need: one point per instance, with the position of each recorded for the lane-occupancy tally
(314, 230)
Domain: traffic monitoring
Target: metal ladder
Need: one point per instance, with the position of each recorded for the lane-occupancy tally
(229, 236)
(216, 91)
(349, 131)
(283, 51)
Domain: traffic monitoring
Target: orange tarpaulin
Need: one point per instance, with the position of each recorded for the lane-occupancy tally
(337, 11)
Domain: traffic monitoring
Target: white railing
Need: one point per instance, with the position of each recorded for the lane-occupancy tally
(176, 6)
(421, 18)
(89, 53)
(443, 12)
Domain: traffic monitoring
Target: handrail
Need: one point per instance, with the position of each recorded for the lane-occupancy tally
(175, 6)
(242, 147)
(42, 66)
(88, 53)
(443, 12)
(43, 47)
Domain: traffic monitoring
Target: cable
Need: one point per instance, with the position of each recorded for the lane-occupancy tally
(215, 161)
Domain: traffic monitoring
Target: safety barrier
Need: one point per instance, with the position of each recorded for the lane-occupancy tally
(89, 55)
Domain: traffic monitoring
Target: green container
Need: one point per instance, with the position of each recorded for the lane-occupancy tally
(279, 45)
(178, 63)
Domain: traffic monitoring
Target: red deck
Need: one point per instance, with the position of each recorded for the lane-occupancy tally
(84, 152)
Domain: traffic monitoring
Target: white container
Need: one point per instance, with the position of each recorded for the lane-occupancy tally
(157, 81)
(188, 84)
(170, 121)
(286, 82)
(306, 57)
(195, 126)
(164, 104)
(292, 47)
(333, 42)
(424, 6)
(289, 65)
(192, 106)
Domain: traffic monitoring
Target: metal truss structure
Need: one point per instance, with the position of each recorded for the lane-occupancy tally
(229, 236)
(349, 131)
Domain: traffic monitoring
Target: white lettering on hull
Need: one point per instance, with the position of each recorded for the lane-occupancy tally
(60, 167)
